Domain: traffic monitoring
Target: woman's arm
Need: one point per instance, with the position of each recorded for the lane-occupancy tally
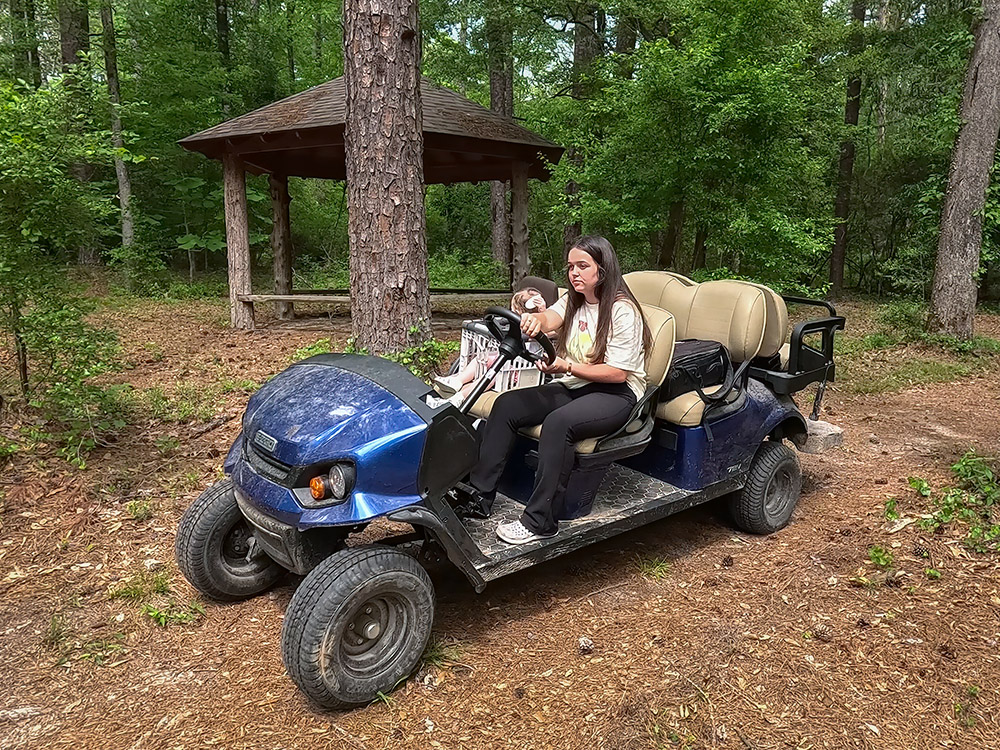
(548, 321)
(595, 373)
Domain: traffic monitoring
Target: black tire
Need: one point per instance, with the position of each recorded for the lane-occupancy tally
(766, 502)
(213, 539)
(344, 594)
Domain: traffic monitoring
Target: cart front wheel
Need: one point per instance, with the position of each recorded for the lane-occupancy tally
(766, 502)
(357, 625)
(216, 550)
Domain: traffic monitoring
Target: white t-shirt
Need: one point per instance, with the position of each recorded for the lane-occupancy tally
(624, 350)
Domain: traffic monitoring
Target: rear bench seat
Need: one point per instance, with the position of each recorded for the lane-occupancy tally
(750, 320)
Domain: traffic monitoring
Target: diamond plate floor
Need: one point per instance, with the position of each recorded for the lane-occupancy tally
(622, 491)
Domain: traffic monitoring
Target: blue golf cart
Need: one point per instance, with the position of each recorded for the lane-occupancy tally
(337, 441)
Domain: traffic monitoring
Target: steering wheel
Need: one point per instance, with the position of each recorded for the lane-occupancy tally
(515, 320)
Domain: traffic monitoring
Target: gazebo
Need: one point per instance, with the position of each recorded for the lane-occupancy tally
(303, 136)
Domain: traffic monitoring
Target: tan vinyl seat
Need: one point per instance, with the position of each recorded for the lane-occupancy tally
(662, 331)
(750, 320)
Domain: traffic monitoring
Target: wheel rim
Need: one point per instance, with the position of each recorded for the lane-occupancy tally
(778, 492)
(373, 636)
(236, 545)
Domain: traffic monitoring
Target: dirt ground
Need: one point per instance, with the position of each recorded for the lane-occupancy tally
(703, 637)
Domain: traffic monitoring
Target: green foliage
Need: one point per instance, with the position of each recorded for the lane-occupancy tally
(972, 505)
(141, 586)
(880, 556)
(424, 359)
(441, 653)
(174, 614)
(140, 510)
(322, 346)
(653, 567)
(891, 512)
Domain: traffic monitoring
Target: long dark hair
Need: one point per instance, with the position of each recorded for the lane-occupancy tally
(610, 288)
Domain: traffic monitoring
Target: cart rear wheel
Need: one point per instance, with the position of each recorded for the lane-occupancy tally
(215, 548)
(357, 625)
(774, 483)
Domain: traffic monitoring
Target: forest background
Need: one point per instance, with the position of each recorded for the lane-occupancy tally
(705, 136)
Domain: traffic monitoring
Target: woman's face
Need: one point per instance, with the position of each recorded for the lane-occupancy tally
(583, 271)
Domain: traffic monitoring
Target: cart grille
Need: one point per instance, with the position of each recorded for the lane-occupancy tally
(267, 466)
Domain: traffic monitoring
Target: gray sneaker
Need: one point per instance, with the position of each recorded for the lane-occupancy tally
(516, 532)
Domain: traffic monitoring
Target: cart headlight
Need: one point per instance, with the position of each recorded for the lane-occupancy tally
(335, 484)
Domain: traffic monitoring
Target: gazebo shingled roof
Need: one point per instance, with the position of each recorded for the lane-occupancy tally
(303, 136)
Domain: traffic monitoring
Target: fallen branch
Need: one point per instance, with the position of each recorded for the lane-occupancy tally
(212, 425)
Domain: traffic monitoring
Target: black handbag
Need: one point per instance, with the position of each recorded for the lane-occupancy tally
(696, 365)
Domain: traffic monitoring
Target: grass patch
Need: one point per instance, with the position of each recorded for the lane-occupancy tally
(140, 510)
(102, 650)
(971, 506)
(141, 586)
(442, 653)
(174, 614)
(918, 371)
(654, 568)
(56, 633)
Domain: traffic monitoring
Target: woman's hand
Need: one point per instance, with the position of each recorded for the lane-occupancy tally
(531, 323)
(559, 366)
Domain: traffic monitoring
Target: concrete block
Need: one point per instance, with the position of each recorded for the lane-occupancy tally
(822, 437)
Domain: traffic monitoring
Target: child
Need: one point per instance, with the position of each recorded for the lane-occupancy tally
(457, 387)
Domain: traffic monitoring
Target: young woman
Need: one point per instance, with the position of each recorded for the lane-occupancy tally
(602, 345)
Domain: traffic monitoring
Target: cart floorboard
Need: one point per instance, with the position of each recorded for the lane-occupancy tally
(627, 499)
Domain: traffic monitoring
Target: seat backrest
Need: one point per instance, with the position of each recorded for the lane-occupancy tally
(656, 287)
(663, 333)
(776, 327)
(734, 313)
(550, 292)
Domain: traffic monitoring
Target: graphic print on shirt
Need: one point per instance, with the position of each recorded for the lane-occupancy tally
(581, 345)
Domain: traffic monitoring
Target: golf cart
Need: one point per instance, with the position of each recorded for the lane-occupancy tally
(337, 441)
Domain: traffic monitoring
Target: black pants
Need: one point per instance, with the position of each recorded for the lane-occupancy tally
(566, 415)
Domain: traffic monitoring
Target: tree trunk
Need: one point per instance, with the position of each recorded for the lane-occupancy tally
(290, 41)
(24, 42)
(237, 242)
(74, 40)
(698, 257)
(847, 150)
(953, 297)
(281, 243)
(626, 35)
(884, 22)
(222, 43)
(390, 301)
(499, 38)
(521, 260)
(114, 94)
(587, 47)
(666, 243)
(74, 31)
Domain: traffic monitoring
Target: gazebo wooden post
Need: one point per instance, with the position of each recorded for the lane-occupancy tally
(237, 242)
(521, 260)
(281, 243)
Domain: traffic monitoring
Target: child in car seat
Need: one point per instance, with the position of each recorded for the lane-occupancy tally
(457, 387)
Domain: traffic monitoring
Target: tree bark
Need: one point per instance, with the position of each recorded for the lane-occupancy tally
(74, 31)
(884, 23)
(666, 243)
(24, 42)
(626, 35)
(390, 300)
(953, 296)
(587, 47)
(222, 43)
(114, 94)
(290, 41)
(700, 238)
(237, 242)
(845, 173)
(521, 261)
(281, 243)
(499, 39)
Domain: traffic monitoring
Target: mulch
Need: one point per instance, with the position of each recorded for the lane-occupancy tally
(747, 642)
